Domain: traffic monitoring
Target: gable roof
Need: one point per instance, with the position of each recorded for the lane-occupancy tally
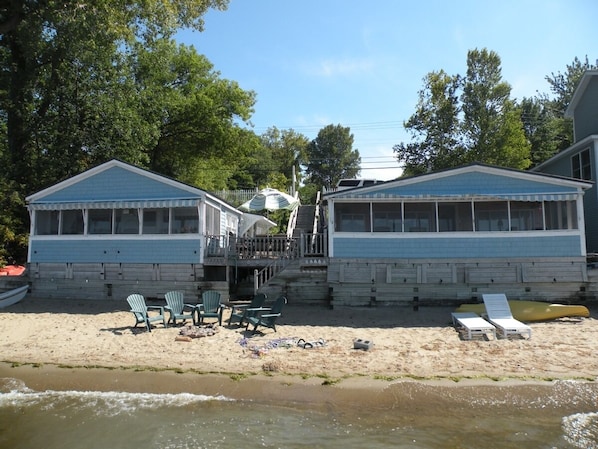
(472, 181)
(118, 184)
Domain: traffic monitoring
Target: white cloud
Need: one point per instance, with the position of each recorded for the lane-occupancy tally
(329, 68)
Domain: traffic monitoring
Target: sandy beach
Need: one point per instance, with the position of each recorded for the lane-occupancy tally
(407, 344)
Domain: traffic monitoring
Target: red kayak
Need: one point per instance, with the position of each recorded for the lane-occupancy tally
(12, 270)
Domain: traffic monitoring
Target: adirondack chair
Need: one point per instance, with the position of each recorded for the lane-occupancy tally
(142, 311)
(266, 316)
(240, 312)
(210, 306)
(175, 305)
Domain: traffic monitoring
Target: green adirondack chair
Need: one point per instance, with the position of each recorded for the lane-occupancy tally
(266, 317)
(177, 309)
(142, 311)
(240, 312)
(210, 306)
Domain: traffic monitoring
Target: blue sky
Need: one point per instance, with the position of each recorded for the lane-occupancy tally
(361, 64)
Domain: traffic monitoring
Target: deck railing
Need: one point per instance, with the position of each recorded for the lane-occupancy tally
(277, 246)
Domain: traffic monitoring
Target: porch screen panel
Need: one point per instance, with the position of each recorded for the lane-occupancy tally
(155, 221)
(185, 220)
(420, 217)
(126, 221)
(46, 222)
(491, 216)
(352, 217)
(526, 216)
(72, 222)
(454, 217)
(560, 214)
(387, 217)
(100, 221)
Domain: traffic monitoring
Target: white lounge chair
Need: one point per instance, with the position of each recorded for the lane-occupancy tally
(473, 324)
(499, 314)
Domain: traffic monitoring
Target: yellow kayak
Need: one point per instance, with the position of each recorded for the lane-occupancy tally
(533, 310)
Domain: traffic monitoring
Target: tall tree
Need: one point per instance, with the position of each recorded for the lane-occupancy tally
(286, 149)
(196, 113)
(462, 119)
(331, 157)
(55, 53)
(435, 125)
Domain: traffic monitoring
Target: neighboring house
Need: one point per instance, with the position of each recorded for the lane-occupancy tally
(117, 229)
(456, 233)
(580, 159)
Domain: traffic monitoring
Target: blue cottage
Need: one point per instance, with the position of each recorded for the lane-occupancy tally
(116, 229)
(458, 233)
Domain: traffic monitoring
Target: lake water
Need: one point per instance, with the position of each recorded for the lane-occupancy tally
(412, 415)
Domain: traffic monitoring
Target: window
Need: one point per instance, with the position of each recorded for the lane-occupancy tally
(72, 222)
(100, 221)
(126, 221)
(526, 216)
(155, 221)
(352, 217)
(492, 216)
(454, 217)
(420, 217)
(387, 217)
(185, 220)
(47, 222)
(560, 214)
(581, 166)
(212, 220)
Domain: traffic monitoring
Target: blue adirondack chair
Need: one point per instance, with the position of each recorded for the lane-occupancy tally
(266, 317)
(240, 312)
(177, 309)
(142, 311)
(210, 306)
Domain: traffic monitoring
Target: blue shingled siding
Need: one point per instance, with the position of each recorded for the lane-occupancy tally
(451, 248)
(467, 184)
(586, 112)
(117, 183)
(122, 251)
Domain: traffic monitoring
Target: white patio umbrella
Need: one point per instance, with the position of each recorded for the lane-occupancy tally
(252, 225)
(270, 199)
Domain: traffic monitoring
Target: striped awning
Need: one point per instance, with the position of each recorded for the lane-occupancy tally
(144, 204)
(569, 196)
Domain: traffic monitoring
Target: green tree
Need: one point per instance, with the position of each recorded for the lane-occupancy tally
(462, 119)
(285, 152)
(331, 157)
(197, 113)
(434, 126)
(61, 60)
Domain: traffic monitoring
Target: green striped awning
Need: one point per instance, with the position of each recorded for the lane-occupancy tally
(143, 204)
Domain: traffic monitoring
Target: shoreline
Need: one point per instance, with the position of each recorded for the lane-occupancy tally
(355, 396)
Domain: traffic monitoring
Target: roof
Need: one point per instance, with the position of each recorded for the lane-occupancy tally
(475, 180)
(118, 184)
